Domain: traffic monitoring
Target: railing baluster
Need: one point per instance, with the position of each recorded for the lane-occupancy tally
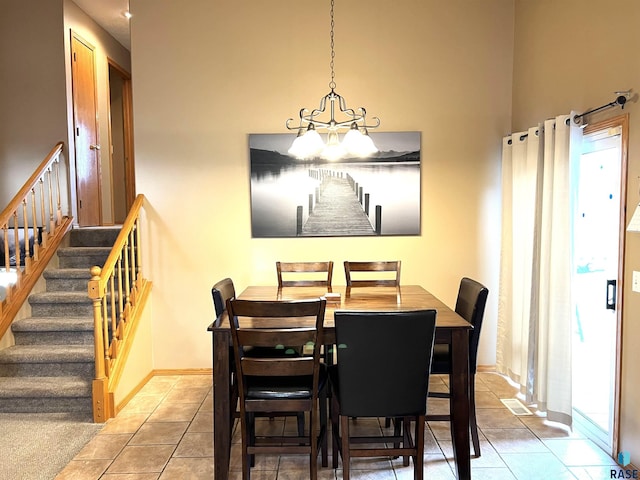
(5, 239)
(57, 167)
(16, 249)
(139, 256)
(120, 292)
(42, 214)
(133, 273)
(25, 227)
(34, 217)
(113, 316)
(51, 219)
(127, 283)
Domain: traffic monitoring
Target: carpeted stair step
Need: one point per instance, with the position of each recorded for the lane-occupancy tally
(94, 237)
(47, 361)
(53, 331)
(51, 366)
(82, 257)
(67, 279)
(61, 304)
(45, 394)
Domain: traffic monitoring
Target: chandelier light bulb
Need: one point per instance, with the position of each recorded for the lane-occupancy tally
(307, 145)
(334, 150)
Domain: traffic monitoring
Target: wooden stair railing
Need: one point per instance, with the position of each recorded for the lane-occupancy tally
(118, 291)
(35, 212)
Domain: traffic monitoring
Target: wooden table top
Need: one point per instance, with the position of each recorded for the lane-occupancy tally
(405, 297)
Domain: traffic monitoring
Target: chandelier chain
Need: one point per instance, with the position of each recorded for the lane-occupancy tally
(332, 83)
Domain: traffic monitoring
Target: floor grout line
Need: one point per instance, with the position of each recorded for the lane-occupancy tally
(513, 443)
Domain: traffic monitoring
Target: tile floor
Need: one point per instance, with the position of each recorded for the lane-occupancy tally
(165, 432)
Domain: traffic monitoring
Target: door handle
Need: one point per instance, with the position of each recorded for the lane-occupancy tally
(611, 294)
(94, 147)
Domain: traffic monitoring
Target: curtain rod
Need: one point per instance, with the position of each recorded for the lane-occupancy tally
(620, 100)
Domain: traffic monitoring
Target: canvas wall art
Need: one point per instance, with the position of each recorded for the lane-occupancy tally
(378, 195)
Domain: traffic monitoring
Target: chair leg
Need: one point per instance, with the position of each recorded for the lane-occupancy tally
(251, 435)
(397, 431)
(472, 415)
(313, 439)
(335, 432)
(324, 430)
(418, 460)
(406, 438)
(246, 458)
(346, 456)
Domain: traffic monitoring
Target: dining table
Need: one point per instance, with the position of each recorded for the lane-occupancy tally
(451, 329)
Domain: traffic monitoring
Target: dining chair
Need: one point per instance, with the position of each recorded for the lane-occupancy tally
(287, 383)
(394, 385)
(470, 305)
(301, 270)
(222, 291)
(372, 267)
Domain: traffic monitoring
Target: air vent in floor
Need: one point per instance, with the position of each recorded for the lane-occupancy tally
(515, 407)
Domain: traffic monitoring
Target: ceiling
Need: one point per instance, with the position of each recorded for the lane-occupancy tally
(109, 14)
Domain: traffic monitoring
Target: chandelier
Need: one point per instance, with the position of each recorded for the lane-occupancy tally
(308, 143)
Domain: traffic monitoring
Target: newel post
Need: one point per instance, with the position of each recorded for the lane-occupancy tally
(100, 390)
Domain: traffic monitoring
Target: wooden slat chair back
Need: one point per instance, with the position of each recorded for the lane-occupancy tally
(304, 268)
(380, 266)
(287, 383)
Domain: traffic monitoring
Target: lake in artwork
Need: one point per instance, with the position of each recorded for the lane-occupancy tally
(379, 195)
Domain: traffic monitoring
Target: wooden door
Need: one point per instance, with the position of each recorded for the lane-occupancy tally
(87, 146)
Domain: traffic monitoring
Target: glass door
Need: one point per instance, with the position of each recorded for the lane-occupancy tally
(596, 258)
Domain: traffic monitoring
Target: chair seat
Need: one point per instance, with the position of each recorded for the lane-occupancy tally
(276, 388)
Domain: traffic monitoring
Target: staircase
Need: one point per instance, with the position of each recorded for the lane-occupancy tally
(51, 366)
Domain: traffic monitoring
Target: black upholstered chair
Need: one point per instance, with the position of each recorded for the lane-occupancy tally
(304, 268)
(374, 280)
(470, 305)
(287, 383)
(383, 368)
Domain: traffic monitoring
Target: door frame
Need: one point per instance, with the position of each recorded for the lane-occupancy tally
(127, 113)
(621, 121)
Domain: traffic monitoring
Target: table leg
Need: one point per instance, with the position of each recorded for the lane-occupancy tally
(221, 404)
(459, 389)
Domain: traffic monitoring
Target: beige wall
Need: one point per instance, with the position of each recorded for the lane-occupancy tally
(573, 55)
(32, 92)
(207, 73)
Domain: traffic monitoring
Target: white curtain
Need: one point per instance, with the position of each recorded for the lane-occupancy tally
(534, 299)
